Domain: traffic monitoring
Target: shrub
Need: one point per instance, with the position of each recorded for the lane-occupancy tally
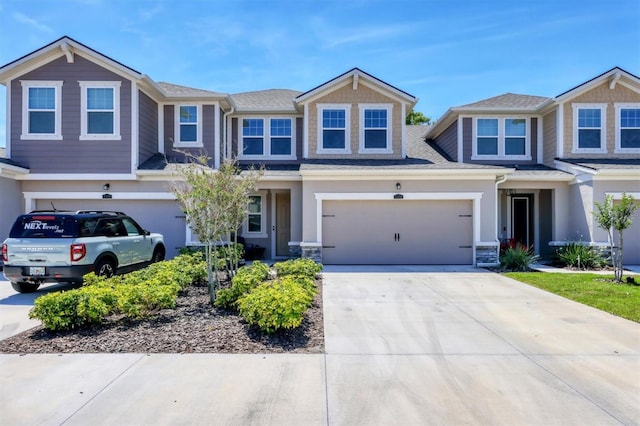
(580, 256)
(223, 253)
(304, 267)
(275, 305)
(246, 279)
(517, 258)
(134, 295)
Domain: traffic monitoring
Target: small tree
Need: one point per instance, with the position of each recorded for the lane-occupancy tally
(618, 217)
(211, 199)
(416, 117)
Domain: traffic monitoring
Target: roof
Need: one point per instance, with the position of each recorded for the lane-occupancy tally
(508, 100)
(615, 74)
(173, 90)
(3, 152)
(604, 163)
(269, 100)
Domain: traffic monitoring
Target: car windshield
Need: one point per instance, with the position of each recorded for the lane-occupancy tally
(44, 226)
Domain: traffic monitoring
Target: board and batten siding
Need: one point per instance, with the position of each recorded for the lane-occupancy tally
(72, 155)
(148, 127)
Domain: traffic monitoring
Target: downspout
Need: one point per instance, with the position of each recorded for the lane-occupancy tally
(502, 179)
(227, 142)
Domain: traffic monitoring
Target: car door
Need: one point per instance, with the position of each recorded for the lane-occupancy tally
(117, 238)
(139, 246)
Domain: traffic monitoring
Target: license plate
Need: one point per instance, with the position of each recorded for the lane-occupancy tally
(36, 271)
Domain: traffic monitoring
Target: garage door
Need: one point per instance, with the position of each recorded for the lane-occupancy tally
(161, 216)
(408, 232)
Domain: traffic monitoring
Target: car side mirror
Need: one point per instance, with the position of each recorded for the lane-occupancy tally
(145, 232)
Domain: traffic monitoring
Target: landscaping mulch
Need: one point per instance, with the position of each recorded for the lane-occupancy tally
(192, 327)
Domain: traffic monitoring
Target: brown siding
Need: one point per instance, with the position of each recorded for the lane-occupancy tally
(549, 129)
(448, 141)
(71, 155)
(363, 95)
(148, 128)
(599, 94)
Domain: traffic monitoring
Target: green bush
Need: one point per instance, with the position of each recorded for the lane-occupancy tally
(223, 253)
(300, 267)
(580, 256)
(133, 295)
(517, 258)
(276, 305)
(246, 279)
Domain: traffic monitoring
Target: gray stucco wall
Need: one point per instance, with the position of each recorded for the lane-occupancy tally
(71, 155)
(11, 205)
(148, 127)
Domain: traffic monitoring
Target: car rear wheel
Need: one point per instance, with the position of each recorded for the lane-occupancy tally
(23, 287)
(105, 268)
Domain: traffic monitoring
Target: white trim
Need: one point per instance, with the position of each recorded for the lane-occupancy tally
(26, 85)
(460, 130)
(161, 128)
(266, 138)
(619, 106)
(177, 143)
(7, 139)
(115, 86)
(216, 135)
(305, 132)
(30, 198)
(603, 129)
(403, 116)
(424, 196)
(501, 136)
(361, 129)
(77, 176)
(263, 218)
(347, 129)
(540, 136)
(135, 135)
(560, 131)
(618, 195)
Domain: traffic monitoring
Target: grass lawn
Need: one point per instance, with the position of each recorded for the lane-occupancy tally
(598, 291)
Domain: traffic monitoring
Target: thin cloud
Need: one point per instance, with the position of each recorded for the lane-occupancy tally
(24, 19)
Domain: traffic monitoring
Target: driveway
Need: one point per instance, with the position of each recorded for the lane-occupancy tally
(404, 346)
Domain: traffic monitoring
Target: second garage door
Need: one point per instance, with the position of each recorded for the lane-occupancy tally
(397, 232)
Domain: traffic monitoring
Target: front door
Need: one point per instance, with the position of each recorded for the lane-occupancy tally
(283, 223)
(521, 220)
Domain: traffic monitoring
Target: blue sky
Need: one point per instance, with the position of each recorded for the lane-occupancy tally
(445, 52)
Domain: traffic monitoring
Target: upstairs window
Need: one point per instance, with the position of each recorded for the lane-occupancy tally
(100, 109)
(501, 138)
(42, 105)
(253, 136)
(375, 131)
(188, 131)
(627, 128)
(333, 129)
(266, 138)
(589, 128)
(281, 136)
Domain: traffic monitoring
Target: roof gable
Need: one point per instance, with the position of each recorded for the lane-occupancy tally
(355, 76)
(614, 76)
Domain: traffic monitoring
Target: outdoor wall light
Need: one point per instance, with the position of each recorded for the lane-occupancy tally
(398, 186)
(106, 187)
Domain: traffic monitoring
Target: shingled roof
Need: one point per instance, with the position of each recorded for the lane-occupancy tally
(509, 100)
(269, 100)
(177, 90)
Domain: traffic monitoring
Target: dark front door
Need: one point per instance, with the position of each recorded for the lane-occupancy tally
(522, 220)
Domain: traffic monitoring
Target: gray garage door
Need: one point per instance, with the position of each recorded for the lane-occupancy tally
(164, 217)
(397, 232)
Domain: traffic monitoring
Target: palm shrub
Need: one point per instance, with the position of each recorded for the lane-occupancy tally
(517, 258)
(580, 256)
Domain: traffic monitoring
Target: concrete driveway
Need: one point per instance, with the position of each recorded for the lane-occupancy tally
(404, 346)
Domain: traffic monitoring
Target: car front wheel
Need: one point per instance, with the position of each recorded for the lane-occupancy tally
(23, 287)
(105, 268)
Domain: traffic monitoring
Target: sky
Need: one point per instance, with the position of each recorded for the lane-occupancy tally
(444, 52)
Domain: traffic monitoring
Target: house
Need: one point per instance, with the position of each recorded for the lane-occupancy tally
(346, 181)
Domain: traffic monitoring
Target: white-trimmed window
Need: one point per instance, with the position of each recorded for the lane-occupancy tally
(375, 128)
(188, 127)
(334, 125)
(255, 226)
(100, 110)
(589, 128)
(264, 138)
(627, 128)
(41, 110)
(501, 138)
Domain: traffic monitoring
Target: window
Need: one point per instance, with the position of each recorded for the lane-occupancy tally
(252, 136)
(501, 138)
(255, 225)
(274, 140)
(188, 131)
(100, 109)
(589, 128)
(41, 113)
(627, 128)
(375, 131)
(280, 132)
(333, 129)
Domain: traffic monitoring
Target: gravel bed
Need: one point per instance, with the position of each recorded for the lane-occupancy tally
(193, 327)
